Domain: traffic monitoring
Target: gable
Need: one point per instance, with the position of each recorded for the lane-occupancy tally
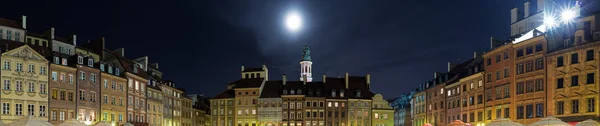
(559, 73)
(25, 52)
(574, 70)
(590, 67)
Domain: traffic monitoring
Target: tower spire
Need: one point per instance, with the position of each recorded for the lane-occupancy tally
(306, 65)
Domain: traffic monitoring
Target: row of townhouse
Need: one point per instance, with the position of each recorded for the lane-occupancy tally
(56, 79)
(254, 100)
(542, 70)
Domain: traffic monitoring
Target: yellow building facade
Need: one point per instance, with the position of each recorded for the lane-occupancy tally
(383, 114)
(114, 109)
(24, 84)
(155, 105)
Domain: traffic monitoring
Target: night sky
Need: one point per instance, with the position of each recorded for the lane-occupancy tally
(203, 44)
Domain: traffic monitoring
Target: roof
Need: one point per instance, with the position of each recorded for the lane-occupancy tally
(253, 69)
(35, 35)
(272, 89)
(225, 94)
(127, 64)
(10, 23)
(9, 45)
(247, 83)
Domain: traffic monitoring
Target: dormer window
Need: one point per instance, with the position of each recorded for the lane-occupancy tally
(64, 61)
(310, 92)
(135, 69)
(117, 72)
(342, 93)
(284, 92)
(79, 59)
(292, 92)
(56, 60)
(358, 93)
(102, 67)
(91, 62)
(333, 93)
(110, 69)
(299, 91)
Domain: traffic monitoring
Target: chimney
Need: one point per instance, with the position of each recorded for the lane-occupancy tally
(526, 7)
(346, 80)
(242, 68)
(324, 78)
(121, 52)
(451, 66)
(540, 5)
(284, 78)
(475, 54)
(52, 33)
(435, 74)
(369, 81)
(24, 21)
(74, 39)
(513, 15)
(264, 67)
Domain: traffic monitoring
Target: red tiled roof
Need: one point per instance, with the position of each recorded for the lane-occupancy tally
(10, 23)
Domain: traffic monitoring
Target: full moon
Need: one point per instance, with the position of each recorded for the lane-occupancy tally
(293, 21)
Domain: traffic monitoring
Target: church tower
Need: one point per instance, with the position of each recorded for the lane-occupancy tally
(306, 65)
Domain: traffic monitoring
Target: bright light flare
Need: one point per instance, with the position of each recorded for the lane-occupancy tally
(549, 21)
(567, 15)
(293, 21)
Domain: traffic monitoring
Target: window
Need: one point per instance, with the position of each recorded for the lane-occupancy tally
(506, 113)
(42, 110)
(559, 61)
(43, 88)
(6, 65)
(529, 66)
(19, 109)
(506, 92)
(62, 77)
(539, 64)
(590, 78)
(506, 72)
(498, 113)
(505, 55)
(31, 68)
(31, 87)
(91, 62)
(498, 58)
(528, 50)
(5, 108)
(488, 96)
(520, 112)
(19, 86)
(538, 47)
(80, 60)
(529, 86)
(479, 99)
(489, 61)
(498, 93)
(591, 105)
(575, 80)
(62, 116)
(589, 55)
(6, 85)
(519, 53)
(574, 58)
(70, 78)
(81, 95)
(19, 66)
(575, 106)
(81, 75)
(488, 78)
(520, 68)
(93, 77)
(497, 76)
(539, 107)
(54, 76)
(559, 83)
(43, 70)
(520, 88)
(539, 85)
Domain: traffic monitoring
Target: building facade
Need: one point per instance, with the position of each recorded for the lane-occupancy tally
(499, 81)
(155, 105)
(383, 114)
(25, 82)
(63, 87)
(114, 95)
(401, 106)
